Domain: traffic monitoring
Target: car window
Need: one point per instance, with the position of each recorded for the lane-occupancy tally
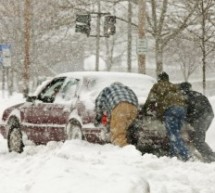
(69, 90)
(49, 93)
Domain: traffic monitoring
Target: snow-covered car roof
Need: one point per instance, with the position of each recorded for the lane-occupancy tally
(78, 74)
(96, 81)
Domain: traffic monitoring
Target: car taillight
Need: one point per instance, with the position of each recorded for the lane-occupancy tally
(104, 119)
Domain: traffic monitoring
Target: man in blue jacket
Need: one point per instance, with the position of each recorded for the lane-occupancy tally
(120, 103)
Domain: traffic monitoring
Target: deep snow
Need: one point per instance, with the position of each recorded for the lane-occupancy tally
(81, 167)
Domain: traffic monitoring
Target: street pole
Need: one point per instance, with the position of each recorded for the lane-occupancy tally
(98, 36)
(141, 34)
(26, 76)
(203, 49)
(129, 37)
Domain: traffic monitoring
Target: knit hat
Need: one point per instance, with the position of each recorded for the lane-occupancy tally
(185, 86)
(163, 76)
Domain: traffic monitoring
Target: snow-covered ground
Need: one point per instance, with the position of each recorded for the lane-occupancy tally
(81, 167)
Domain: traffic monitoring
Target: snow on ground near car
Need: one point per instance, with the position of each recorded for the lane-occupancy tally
(80, 167)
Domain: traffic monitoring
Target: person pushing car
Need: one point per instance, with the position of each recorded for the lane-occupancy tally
(171, 109)
(120, 103)
(200, 115)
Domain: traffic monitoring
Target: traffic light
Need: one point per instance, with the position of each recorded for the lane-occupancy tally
(83, 24)
(109, 25)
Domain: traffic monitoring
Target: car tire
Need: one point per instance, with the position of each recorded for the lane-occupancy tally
(73, 130)
(14, 139)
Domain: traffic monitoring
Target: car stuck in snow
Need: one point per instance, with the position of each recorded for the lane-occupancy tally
(63, 108)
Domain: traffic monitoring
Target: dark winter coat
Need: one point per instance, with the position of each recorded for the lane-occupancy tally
(110, 96)
(165, 94)
(197, 106)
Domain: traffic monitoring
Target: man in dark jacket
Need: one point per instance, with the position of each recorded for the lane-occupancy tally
(170, 108)
(120, 104)
(200, 115)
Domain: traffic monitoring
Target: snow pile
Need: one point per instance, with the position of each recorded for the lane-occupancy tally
(80, 167)
(59, 167)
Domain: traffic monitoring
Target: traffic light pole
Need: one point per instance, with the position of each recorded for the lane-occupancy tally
(97, 36)
(83, 22)
(99, 15)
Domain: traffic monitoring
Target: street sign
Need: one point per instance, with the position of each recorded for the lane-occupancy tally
(142, 46)
(5, 55)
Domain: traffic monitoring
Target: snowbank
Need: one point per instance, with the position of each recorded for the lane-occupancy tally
(80, 167)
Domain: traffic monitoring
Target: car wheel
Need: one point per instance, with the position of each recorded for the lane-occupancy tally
(73, 130)
(15, 143)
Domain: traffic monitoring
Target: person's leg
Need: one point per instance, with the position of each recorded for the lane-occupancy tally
(181, 116)
(201, 126)
(169, 124)
(121, 117)
(173, 119)
(130, 113)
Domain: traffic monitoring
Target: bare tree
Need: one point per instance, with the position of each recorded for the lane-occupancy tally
(165, 21)
(55, 47)
(207, 35)
(184, 54)
(202, 32)
(11, 18)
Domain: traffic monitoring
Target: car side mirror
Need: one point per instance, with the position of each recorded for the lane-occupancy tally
(31, 98)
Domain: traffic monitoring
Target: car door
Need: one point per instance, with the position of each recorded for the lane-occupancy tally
(65, 100)
(39, 117)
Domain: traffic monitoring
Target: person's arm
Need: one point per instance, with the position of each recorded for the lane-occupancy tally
(99, 105)
(150, 99)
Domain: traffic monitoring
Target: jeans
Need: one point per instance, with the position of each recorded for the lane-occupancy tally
(174, 118)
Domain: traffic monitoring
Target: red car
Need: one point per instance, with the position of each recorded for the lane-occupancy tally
(63, 108)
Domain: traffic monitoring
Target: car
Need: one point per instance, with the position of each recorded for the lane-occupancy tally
(62, 108)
